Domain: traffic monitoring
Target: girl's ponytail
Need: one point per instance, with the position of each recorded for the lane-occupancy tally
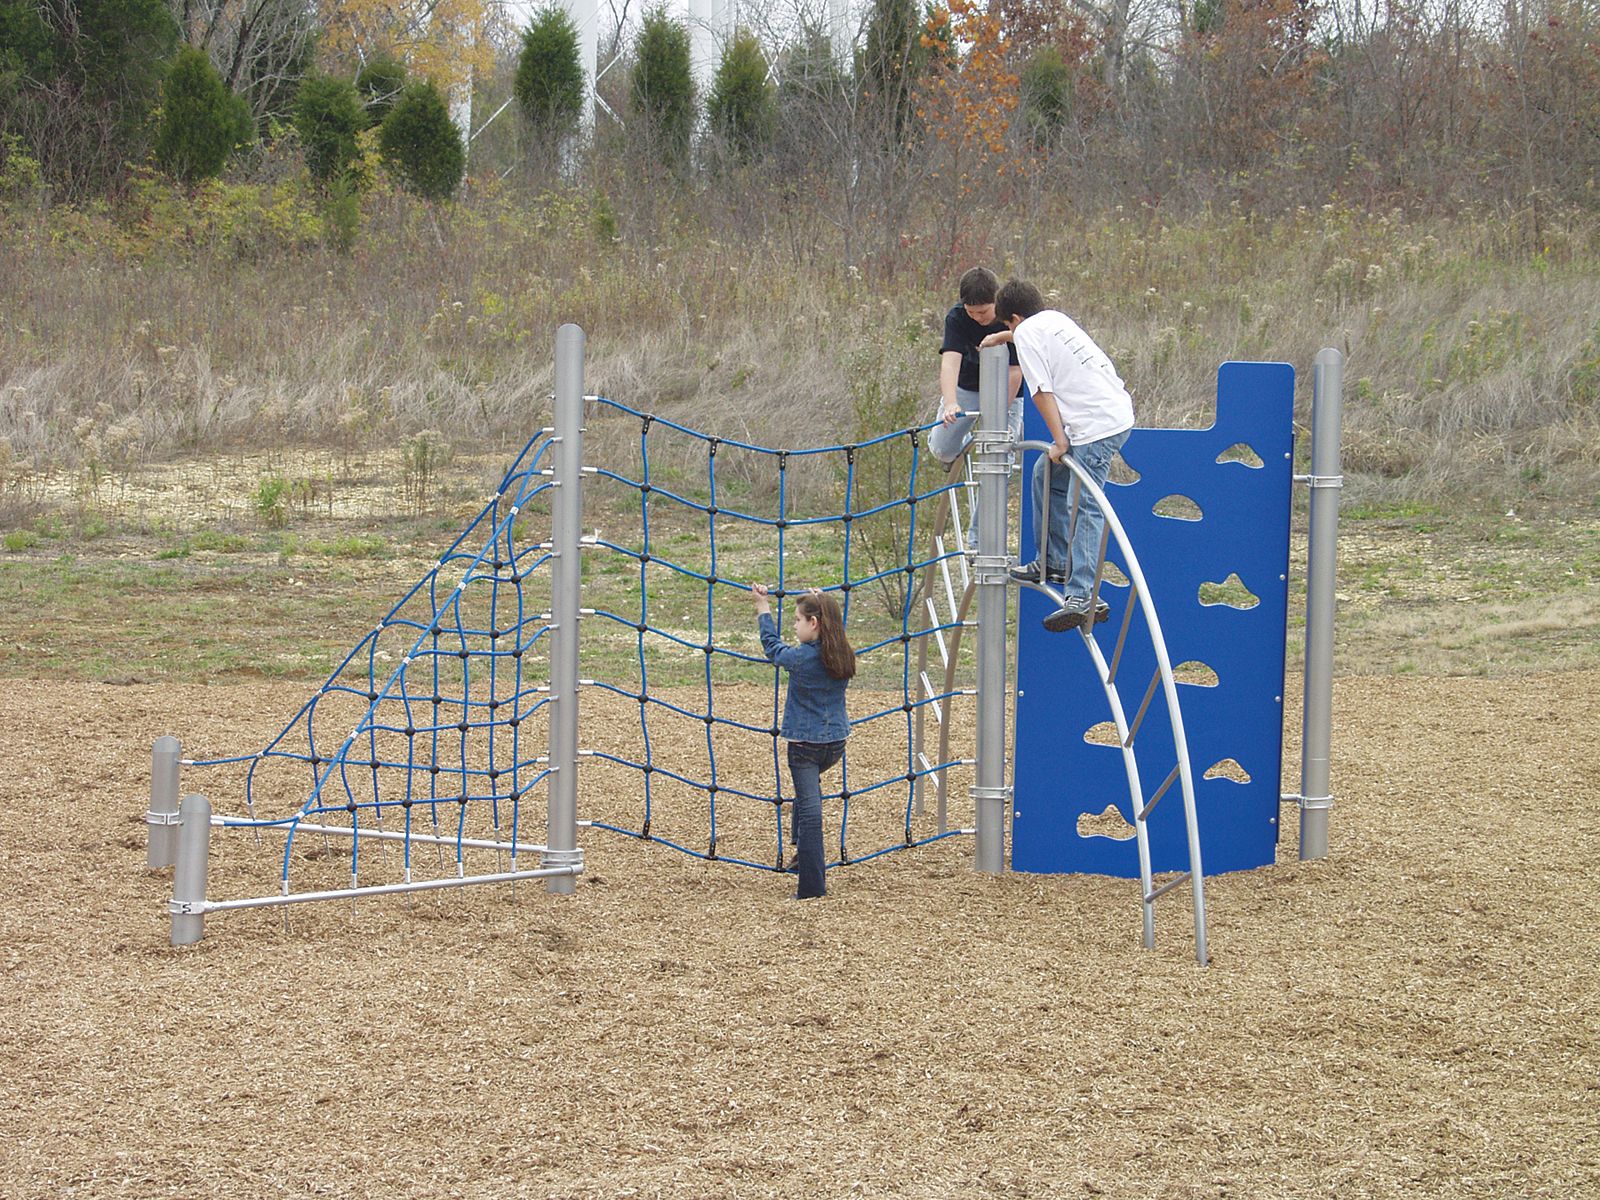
(837, 656)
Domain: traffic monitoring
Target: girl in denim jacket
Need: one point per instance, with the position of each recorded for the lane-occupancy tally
(814, 720)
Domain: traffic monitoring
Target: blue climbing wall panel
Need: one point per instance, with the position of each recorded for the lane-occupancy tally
(1236, 525)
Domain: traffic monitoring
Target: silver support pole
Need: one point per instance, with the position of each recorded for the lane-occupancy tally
(990, 444)
(565, 588)
(162, 816)
(189, 880)
(1327, 403)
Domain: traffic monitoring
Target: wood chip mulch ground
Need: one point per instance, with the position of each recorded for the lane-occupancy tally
(1414, 1016)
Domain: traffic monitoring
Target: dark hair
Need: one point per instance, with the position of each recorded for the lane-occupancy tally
(978, 286)
(837, 656)
(1018, 298)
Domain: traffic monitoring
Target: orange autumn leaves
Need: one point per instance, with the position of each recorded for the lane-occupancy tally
(967, 96)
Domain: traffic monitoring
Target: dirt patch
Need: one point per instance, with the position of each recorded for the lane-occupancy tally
(1414, 1016)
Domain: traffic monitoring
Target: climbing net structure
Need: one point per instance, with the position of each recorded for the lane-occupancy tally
(858, 525)
(427, 744)
(429, 736)
(426, 739)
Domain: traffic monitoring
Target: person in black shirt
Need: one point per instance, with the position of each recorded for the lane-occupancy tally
(965, 326)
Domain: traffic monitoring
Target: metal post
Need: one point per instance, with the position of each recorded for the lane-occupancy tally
(162, 816)
(1327, 402)
(990, 445)
(565, 587)
(189, 880)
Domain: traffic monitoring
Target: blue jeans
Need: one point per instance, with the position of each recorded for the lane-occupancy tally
(1084, 538)
(807, 762)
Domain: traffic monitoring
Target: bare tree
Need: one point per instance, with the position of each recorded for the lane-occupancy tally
(261, 48)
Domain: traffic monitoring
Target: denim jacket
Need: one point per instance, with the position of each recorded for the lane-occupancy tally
(814, 708)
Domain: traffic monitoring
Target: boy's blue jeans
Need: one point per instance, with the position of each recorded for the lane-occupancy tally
(1079, 546)
(807, 762)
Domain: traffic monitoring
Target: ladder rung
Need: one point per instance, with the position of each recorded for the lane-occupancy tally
(1167, 887)
(1144, 812)
(927, 690)
(935, 621)
(1149, 695)
(949, 585)
(1122, 636)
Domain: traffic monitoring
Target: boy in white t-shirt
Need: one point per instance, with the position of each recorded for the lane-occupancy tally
(1089, 413)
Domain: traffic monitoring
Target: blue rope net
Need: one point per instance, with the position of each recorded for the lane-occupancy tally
(431, 732)
(697, 502)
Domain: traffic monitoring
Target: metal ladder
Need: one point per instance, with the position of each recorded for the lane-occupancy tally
(944, 598)
(1128, 730)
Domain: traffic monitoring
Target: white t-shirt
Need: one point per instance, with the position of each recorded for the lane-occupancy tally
(1060, 358)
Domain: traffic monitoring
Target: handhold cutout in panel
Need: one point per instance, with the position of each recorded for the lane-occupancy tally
(1231, 591)
(1108, 824)
(1195, 673)
(1227, 768)
(1179, 508)
(1113, 575)
(1121, 473)
(1103, 734)
(1241, 453)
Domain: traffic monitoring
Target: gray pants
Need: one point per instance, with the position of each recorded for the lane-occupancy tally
(949, 441)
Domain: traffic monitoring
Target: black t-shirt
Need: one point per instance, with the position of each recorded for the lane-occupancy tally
(962, 334)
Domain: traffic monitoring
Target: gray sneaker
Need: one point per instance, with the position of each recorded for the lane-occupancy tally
(1029, 573)
(1074, 612)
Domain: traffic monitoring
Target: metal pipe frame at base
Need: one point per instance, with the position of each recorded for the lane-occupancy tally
(380, 835)
(203, 907)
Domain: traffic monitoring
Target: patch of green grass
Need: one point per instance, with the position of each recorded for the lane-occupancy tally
(20, 539)
(1231, 591)
(354, 546)
(1389, 510)
(93, 525)
(219, 542)
(181, 550)
(115, 620)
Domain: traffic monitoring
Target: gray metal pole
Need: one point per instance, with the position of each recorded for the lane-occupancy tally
(189, 880)
(990, 445)
(162, 816)
(565, 598)
(1327, 404)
